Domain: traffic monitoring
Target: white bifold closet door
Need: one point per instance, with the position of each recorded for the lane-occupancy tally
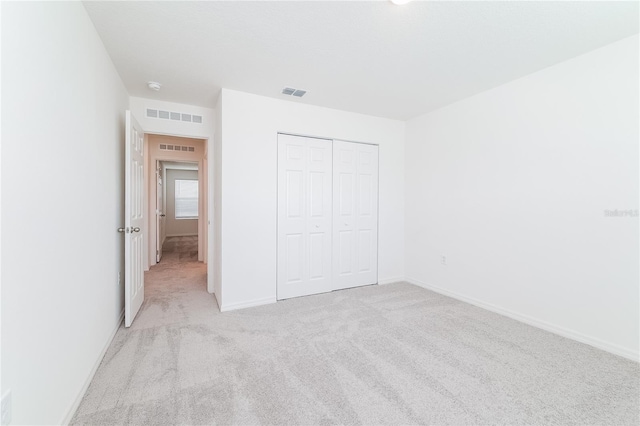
(355, 214)
(327, 215)
(304, 216)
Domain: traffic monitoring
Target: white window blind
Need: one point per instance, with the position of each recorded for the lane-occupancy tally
(186, 199)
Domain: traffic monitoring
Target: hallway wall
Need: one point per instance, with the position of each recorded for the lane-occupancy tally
(63, 104)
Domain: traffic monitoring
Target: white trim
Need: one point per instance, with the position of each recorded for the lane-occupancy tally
(391, 280)
(74, 406)
(248, 304)
(181, 235)
(553, 328)
(329, 139)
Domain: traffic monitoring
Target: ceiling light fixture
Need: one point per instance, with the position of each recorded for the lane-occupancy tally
(154, 85)
(400, 2)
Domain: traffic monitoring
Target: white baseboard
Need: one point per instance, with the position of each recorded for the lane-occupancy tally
(390, 280)
(247, 304)
(181, 235)
(553, 328)
(74, 407)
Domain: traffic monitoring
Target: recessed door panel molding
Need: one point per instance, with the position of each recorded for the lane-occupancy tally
(365, 246)
(345, 196)
(317, 192)
(345, 246)
(365, 191)
(355, 219)
(304, 215)
(294, 193)
(317, 261)
(293, 256)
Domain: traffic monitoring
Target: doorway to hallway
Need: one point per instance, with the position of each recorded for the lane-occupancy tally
(177, 220)
(177, 188)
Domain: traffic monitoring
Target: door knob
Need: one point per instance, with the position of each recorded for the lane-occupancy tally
(162, 215)
(121, 229)
(136, 229)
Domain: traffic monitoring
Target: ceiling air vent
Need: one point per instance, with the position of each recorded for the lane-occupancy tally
(295, 92)
(173, 115)
(164, 147)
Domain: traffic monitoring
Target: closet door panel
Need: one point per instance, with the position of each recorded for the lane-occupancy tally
(355, 219)
(304, 216)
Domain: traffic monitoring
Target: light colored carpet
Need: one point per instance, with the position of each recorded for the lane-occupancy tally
(394, 354)
(182, 249)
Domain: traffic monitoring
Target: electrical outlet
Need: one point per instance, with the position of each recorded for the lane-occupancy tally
(443, 260)
(6, 408)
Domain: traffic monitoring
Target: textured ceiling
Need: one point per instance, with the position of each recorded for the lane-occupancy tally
(369, 57)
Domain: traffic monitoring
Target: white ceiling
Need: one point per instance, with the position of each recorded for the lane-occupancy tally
(370, 57)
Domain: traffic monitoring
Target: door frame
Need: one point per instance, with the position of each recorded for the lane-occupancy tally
(201, 196)
(202, 208)
(206, 230)
(160, 188)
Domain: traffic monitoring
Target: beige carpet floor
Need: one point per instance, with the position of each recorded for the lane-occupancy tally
(180, 249)
(394, 354)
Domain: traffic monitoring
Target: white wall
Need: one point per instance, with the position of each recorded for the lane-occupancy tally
(62, 199)
(214, 280)
(178, 227)
(511, 186)
(249, 129)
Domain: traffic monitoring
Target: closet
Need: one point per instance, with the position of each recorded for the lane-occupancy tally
(327, 233)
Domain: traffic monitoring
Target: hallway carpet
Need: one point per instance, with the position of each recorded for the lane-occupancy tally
(393, 354)
(180, 249)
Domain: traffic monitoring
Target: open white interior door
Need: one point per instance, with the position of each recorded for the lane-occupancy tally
(133, 210)
(160, 211)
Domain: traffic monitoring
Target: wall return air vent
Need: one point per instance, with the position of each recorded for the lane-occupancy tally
(167, 147)
(175, 116)
(293, 92)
